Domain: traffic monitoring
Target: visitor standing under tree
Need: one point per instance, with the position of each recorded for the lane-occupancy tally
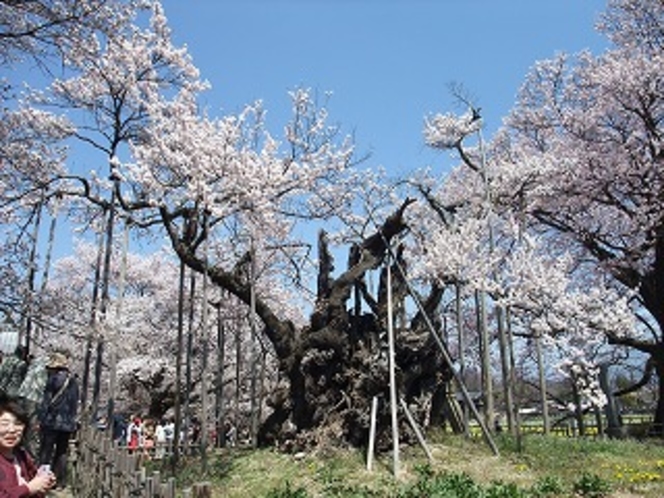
(12, 371)
(135, 433)
(30, 395)
(58, 416)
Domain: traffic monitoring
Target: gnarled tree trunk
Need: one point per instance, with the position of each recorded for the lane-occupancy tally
(332, 368)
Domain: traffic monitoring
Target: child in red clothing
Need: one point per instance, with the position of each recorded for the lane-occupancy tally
(19, 476)
(135, 434)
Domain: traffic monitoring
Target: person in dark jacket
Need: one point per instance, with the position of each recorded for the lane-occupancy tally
(58, 416)
(12, 372)
(19, 476)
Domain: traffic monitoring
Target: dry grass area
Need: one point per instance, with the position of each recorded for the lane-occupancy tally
(632, 469)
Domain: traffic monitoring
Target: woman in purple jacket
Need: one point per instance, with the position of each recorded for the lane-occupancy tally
(19, 476)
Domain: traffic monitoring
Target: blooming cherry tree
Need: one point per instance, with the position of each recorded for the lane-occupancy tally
(235, 203)
(581, 159)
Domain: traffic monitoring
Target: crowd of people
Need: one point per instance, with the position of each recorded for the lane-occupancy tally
(38, 416)
(154, 438)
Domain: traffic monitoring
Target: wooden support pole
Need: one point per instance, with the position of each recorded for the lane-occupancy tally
(372, 433)
(393, 385)
(416, 430)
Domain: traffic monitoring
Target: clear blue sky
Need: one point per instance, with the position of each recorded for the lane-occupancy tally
(388, 62)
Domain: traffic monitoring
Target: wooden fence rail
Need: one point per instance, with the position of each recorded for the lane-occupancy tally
(633, 425)
(101, 469)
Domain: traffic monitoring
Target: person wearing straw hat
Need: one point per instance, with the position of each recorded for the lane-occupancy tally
(58, 416)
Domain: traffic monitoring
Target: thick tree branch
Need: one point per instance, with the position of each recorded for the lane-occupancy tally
(645, 378)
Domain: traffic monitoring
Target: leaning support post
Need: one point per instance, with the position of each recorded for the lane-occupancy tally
(416, 430)
(446, 355)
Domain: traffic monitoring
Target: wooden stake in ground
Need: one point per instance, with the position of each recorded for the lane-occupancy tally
(393, 385)
(372, 433)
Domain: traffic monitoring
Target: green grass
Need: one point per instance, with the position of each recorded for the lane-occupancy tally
(540, 467)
